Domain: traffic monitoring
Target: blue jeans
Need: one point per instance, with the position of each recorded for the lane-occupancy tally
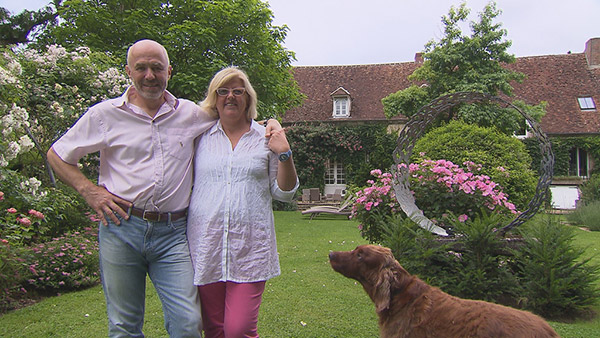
(130, 251)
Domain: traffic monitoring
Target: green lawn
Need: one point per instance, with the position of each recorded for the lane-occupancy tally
(308, 300)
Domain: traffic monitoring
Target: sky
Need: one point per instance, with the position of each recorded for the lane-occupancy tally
(334, 32)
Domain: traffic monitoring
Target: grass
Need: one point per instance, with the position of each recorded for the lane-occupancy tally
(308, 300)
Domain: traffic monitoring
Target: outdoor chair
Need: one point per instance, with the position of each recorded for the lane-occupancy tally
(343, 209)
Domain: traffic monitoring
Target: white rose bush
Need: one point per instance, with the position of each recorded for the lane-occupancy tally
(42, 93)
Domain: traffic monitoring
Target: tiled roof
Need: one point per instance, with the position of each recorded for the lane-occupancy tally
(556, 79)
(560, 80)
(366, 84)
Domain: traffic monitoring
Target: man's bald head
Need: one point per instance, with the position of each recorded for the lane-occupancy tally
(143, 46)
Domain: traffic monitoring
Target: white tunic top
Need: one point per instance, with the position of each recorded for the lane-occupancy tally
(231, 231)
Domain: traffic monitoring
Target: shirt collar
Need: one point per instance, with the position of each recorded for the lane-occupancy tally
(123, 100)
(254, 127)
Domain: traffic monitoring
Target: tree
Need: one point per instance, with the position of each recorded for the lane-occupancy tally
(460, 63)
(22, 27)
(201, 37)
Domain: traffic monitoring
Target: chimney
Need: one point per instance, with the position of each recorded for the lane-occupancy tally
(592, 52)
(419, 56)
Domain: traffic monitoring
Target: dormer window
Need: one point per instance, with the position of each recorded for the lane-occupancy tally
(586, 103)
(340, 106)
(341, 103)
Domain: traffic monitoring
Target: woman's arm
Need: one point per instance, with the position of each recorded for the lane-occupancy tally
(286, 172)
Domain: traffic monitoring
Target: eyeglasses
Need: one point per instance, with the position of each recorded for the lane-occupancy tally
(236, 91)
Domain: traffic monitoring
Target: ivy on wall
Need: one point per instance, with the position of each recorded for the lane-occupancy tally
(561, 146)
(360, 148)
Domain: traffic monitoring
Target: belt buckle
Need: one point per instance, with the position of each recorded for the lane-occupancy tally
(147, 218)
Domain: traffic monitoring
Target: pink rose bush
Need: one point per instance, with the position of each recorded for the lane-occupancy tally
(439, 187)
(17, 228)
(30, 263)
(374, 202)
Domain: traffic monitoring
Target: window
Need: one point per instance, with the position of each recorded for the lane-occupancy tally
(334, 173)
(586, 103)
(578, 163)
(341, 102)
(341, 106)
(524, 130)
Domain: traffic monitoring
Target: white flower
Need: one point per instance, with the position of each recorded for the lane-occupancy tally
(56, 108)
(13, 150)
(84, 51)
(26, 143)
(31, 186)
(16, 118)
(6, 131)
(34, 182)
(6, 77)
(15, 67)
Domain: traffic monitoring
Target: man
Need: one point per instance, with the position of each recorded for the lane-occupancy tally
(145, 139)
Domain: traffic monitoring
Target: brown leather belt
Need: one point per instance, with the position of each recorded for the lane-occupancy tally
(155, 216)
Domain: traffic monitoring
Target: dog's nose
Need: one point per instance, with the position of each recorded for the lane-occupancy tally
(331, 255)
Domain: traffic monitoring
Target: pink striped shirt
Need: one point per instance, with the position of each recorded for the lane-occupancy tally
(145, 160)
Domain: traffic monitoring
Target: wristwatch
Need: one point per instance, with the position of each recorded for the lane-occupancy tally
(285, 156)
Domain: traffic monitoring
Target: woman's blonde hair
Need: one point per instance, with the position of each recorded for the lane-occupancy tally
(209, 104)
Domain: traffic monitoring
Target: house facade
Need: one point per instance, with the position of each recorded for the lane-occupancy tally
(569, 83)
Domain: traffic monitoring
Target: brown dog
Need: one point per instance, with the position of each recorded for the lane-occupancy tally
(408, 307)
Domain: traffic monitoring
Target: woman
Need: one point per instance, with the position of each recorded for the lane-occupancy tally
(230, 224)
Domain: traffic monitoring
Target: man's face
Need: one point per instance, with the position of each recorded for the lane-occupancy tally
(149, 70)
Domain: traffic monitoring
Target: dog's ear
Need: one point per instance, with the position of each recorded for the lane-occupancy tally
(382, 289)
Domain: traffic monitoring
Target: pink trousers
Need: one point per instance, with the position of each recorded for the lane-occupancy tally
(230, 310)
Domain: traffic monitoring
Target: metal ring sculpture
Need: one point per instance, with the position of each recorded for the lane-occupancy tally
(416, 127)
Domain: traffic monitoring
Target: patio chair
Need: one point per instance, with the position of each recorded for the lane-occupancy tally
(335, 197)
(315, 195)
(305, 195)
(343, 209)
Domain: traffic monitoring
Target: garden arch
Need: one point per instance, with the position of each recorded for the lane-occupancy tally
(415, 128)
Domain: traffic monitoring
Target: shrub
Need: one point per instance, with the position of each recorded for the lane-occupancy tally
(483, 272)
(557, 281)
(590, 189)
(12, 272)
(285, 206)
(459, 142)
(65, 263)
(544, 273)
(61, 209)
(20, 223)
(587, 215)
(373, 203)
(472, 265)
(17, 228)
(419, 251)
(441, 186)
